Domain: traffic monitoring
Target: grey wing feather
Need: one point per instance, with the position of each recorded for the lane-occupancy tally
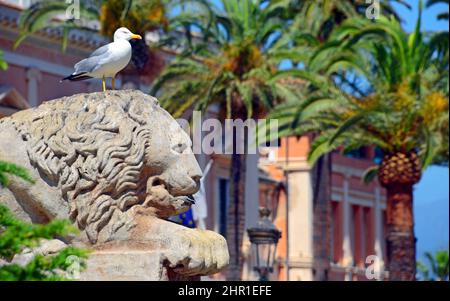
(90, 63)
(100, 51)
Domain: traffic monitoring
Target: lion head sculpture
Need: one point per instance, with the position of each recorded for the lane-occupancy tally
(98, 157)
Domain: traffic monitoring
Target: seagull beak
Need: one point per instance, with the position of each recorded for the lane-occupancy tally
(136, 36)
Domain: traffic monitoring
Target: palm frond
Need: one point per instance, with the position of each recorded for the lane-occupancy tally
(370, 174)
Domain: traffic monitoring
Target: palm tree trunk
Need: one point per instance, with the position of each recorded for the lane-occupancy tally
(236, 215)
(401, 247)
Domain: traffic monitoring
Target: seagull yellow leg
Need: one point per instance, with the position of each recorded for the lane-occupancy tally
(113, 83)
(104, 84)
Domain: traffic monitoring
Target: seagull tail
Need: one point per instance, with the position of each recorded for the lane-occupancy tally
(76, 77)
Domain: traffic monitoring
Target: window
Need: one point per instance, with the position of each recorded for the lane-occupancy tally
(223, 193)
(360, 153)
(336, 234)
(383, 240)
(378, 155)
(369, 231)
(332, 227)
(364, 235)
(354, 233)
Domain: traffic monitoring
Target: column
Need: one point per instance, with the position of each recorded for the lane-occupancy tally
(251, 212)
(300, 222)
(378, 229)
(359, 242)
(347, 258)
(34, 76)
(251, 191)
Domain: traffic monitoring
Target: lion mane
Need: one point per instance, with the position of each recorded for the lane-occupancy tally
(93, 151)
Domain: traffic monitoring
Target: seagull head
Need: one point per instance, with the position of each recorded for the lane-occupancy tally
(124, 33)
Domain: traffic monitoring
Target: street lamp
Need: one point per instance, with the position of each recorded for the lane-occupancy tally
(264, 238)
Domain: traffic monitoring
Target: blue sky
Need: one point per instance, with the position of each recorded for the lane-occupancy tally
(431, 194)
(429, 21)
(431, 207)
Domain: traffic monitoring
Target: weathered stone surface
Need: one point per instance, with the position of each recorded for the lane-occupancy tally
(46, 247)
(126, 266)
(116, 164)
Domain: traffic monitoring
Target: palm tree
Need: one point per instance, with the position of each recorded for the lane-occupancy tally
(443, 15)
(438, 265)
(399, 104)
(229, 59)
(320, 17)
(139, 16)
(312, 21)
(441, 37)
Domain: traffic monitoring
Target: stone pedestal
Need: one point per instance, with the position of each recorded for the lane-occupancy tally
(129, 266)
(125, 266)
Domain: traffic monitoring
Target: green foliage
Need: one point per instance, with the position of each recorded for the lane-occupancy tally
(44, 14)
(16, 236)
(3, 63)
(388, 89)
(437, 268)
(137, 15)
(12, 169)
(370, 174)
(229, 57)
(319, 18)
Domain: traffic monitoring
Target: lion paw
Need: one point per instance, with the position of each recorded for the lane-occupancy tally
(198, 252)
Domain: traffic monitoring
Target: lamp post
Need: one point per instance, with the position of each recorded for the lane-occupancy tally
(264, 239)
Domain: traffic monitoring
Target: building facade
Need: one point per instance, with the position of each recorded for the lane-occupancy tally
(338, 238)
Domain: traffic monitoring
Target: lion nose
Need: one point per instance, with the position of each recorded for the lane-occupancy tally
(195, 173)
(196, 178)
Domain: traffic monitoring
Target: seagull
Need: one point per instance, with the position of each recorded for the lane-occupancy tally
(107, 60)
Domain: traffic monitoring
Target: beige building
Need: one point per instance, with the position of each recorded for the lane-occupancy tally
(335, 221)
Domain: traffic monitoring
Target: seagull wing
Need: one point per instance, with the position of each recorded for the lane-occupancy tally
(100, 51)
(93, 61)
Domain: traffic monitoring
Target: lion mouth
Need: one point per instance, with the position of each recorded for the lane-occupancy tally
(157, 191)
(188, 199)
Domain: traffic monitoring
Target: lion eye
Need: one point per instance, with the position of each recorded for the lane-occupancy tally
(179, 148)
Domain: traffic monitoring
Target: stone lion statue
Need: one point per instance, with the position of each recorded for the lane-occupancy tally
(117, 165)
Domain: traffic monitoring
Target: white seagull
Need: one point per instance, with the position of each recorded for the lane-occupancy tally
(107, 60)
